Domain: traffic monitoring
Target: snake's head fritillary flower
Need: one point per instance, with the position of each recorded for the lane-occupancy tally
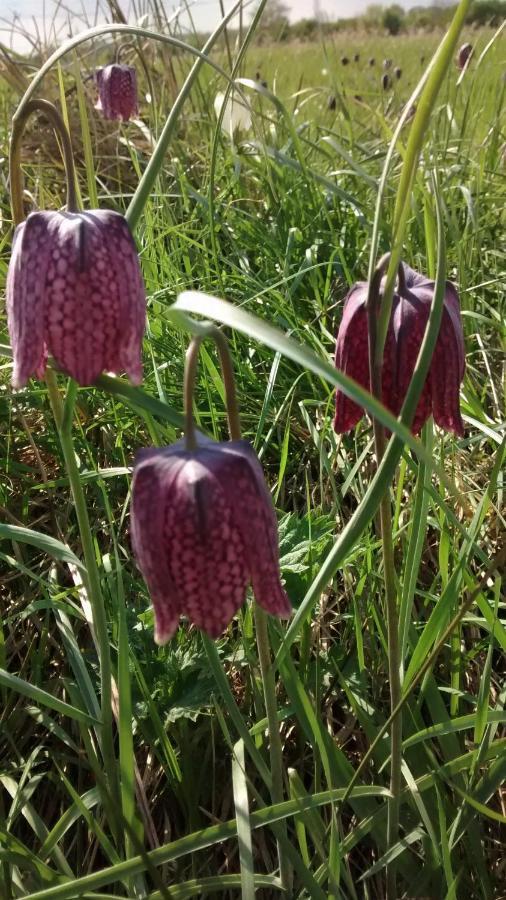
(75, 291)
(410, 313)
(236, 115)
(203, 528)
(463, 54)
(117, 92)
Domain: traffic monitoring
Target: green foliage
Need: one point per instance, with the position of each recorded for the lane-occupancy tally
(280, 227)
(392, 19)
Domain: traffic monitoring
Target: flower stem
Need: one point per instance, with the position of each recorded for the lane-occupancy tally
(63, 414)
(385, 517)
(275, 746)
(262, 633)
(49, 111)
(227, 370)
(410, 164)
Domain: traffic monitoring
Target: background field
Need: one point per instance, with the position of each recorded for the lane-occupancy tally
(277, 220)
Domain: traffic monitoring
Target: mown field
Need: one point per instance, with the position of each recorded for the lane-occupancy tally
(278, 220)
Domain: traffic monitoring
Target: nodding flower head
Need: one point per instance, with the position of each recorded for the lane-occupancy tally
(75, 291)
(117, 92)
(463, 54)
(410, 313)
(203, 528)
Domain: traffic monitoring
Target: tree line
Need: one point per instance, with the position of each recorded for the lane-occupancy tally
(276, 26)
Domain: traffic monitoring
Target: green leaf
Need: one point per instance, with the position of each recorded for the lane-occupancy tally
(243, 823)
(42, 698)
(44, 542)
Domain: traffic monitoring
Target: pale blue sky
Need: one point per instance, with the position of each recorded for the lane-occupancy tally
(206, 12)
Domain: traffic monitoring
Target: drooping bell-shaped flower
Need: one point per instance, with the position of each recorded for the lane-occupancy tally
(236, 115)
(203, 528)
(463, 54)
(75, 291)
(410, 313)
(117, 92)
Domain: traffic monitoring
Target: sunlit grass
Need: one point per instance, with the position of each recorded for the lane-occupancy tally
(281, 226)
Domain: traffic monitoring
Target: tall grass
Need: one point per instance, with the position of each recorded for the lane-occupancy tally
(278, 221)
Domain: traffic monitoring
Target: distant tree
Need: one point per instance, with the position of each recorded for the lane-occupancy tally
(305, 29)
(487, 12)
(393, 19)
(275, 22)
(373, 15)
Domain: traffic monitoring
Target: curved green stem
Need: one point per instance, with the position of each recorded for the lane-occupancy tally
(113, 28)
(275, 746)
(208, 329)
(262, 635)
(122, 48)
(216, 139)
(385, 510)
(432, 81)
(49, 111)
(151, 171)
(64, 414)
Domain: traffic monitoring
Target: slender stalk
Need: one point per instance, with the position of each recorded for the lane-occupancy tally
(208, 329)
(275, 746)
(416, 138)
(385, 516)
(262, 633)
(49, 111)
(496, 566)
(63, 415)
(152, 169)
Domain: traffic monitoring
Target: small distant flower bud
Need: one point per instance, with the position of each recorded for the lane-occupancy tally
(397, 72)
(117, 92)
(344, 60)
(410, 313)
(75, 291)
(385, 81)
(463, 55)
(203, 528)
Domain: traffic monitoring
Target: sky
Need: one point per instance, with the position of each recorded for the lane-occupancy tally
(206, 12)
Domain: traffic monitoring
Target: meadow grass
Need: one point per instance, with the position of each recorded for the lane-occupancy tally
(278, 221)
